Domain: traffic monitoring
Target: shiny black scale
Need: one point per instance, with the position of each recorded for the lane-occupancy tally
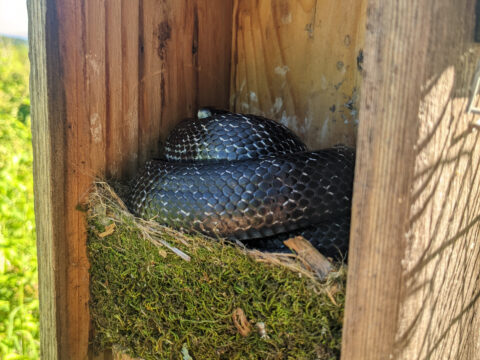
(230, 136)
(248, 178)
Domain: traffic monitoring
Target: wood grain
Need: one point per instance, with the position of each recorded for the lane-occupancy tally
(45, 118)
(413, 282)
(109, 80)
(296, 62)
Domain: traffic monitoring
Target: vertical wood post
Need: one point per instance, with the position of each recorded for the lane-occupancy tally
(109, 78)
(47, 171)
(413, 281)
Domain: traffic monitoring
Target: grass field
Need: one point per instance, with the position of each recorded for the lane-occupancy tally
(18, 267)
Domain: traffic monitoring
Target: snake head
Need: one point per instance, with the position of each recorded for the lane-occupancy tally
(208, 111)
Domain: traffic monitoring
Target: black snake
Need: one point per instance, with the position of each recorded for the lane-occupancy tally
(248, 178)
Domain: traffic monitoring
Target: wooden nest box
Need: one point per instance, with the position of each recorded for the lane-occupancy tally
(110, 78)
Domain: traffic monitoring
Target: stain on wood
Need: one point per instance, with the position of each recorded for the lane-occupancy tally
(163, 34)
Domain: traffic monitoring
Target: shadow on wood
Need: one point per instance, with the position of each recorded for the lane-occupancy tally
(413, 278)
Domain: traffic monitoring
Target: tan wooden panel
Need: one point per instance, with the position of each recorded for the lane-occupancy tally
(45, 116)
(296, 62)
(109, 78)
(413, 283)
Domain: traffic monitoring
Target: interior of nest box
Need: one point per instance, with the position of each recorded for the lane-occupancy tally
(129, 71)
(298, 62)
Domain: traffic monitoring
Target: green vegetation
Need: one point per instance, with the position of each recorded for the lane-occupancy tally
(18, 268)
(154, 304)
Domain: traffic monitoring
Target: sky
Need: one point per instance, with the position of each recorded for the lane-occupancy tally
(13, 18)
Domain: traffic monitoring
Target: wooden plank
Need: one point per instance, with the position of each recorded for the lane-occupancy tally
(45, 116)
(296, 62)
(108, 80)
(112, 35)
(130, 75)
(214, 59)
(175, 82)
(413, 282)
(82, 129)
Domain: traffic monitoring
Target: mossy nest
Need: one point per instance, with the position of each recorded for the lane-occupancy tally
(162, 294)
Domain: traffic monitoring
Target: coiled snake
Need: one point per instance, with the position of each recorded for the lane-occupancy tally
(248, 178)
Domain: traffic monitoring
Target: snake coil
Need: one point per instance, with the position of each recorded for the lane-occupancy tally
(248, 178)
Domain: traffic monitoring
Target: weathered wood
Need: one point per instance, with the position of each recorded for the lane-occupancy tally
(45, 118)
(109, 78)
(298, 62)
(413, 282)
(310, 255)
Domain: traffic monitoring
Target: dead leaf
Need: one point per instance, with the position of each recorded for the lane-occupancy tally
(241, 323)
(162, 253)
(109, 229)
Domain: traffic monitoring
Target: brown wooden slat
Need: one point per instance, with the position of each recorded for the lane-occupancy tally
(81, 130)
(214, 61)
(175, 83)
(108, 80)
(414, 261)
(296, 62)
(113, 24)
(130, 33)
(153, 40)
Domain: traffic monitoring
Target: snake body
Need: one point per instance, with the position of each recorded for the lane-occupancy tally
(251, 179)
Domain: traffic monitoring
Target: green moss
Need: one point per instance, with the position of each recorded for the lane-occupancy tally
(148, 300)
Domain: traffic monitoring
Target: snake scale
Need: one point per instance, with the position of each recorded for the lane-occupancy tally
(248, 178)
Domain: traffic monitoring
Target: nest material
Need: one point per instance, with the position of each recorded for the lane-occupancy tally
(160, 293)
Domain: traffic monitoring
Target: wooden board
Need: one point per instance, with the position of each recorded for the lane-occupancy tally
(413, 281)
(299, 62)
(109, 79)
(48, 174)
